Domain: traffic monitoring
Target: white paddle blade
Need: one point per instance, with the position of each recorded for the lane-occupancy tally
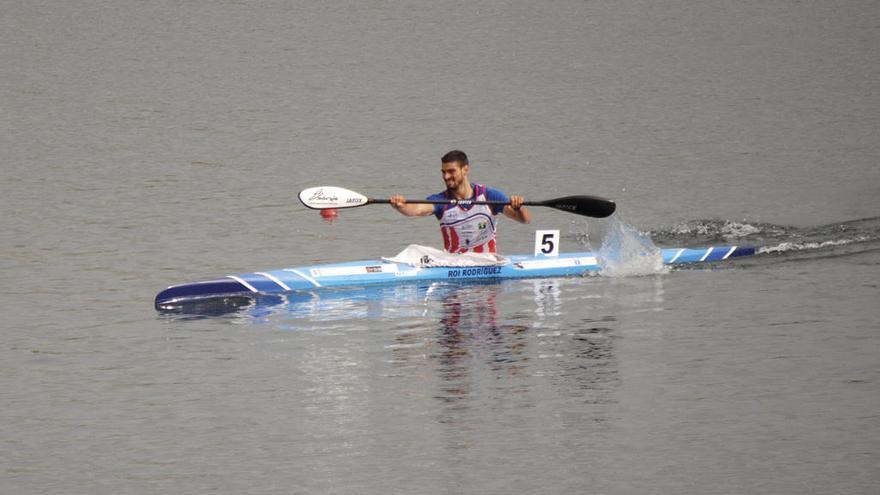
(325, 197)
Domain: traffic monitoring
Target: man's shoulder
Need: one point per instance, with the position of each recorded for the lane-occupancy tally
(438, 208)
(493, 194)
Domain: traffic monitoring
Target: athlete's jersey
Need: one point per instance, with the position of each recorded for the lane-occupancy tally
(471, 227)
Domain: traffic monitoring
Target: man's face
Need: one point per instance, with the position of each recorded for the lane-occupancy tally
(454, 173)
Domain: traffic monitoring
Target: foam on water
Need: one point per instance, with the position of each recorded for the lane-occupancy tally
(770, 238)
(720, 228)
(803, 246)
(627, 252)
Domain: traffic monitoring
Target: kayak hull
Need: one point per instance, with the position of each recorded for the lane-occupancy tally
(374, 272)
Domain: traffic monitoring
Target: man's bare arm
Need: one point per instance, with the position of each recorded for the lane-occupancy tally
(517, 211)
(411, 209)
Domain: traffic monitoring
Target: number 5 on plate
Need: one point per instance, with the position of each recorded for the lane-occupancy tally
(546, 243)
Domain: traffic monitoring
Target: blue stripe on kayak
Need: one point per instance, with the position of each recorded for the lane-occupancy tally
(303, 276)
(680, 256)
(259, 282)
(717, 255)
(675, 256)
(722, 253)
(274, 279)
(685, 255)
(743, 251)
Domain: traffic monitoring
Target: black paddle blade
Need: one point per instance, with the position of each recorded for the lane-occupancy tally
(588, 206)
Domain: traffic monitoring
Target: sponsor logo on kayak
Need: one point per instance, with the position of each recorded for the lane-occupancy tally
(477, 271)
(374, 269)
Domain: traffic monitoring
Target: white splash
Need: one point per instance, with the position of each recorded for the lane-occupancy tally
(627, 252)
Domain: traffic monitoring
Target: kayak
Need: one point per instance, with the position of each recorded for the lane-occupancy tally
(376, 272)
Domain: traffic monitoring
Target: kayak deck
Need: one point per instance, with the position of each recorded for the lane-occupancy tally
(373, 272)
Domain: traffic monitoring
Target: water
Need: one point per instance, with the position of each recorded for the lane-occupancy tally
(150, 143)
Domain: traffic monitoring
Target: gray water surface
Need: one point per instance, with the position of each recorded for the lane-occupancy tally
(151, 143)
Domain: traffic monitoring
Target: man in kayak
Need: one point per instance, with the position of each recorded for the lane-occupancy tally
(465, 227)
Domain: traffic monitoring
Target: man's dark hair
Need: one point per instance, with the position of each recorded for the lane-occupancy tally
(455, 156)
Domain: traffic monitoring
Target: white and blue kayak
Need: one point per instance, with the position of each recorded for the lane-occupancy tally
(377, 272)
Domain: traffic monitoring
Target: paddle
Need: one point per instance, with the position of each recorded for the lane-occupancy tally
(322, 198)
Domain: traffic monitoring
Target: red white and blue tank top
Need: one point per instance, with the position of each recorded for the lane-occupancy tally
(470, 227)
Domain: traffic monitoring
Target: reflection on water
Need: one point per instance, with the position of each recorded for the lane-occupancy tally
(481, 347)
(548, 298)
(469, 336)
(466, 372)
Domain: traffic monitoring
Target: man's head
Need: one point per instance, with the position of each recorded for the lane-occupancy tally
(454, 167)
(455, 156)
